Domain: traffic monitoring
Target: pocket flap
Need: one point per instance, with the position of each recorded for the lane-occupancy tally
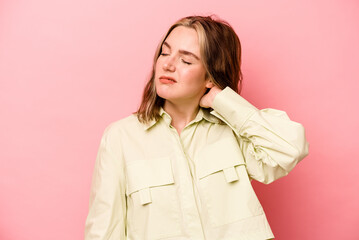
(223, 155)
(230, 174)
(142, 174)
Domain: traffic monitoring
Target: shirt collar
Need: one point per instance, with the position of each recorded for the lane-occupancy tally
(203, 113)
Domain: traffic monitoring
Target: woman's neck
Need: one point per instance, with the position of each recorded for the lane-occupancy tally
(181, 114)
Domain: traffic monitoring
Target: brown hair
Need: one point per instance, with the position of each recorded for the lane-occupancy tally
(220, 51)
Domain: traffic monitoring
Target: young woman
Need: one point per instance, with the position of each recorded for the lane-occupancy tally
(180, 167)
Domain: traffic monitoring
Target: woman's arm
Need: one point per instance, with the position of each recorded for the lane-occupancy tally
(107, 210)
(272, 144)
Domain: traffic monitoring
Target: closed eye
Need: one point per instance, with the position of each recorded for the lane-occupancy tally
(185, 62)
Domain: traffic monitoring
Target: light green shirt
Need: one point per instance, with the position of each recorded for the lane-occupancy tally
(151, 183)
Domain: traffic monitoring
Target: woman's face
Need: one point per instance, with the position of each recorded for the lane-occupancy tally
(180, 74)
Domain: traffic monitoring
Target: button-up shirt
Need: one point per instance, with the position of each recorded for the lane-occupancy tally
(149, 182)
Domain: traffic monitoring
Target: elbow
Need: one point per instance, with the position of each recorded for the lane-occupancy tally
(275, 175)
(299, 144)
(304, 151)
(280, 171)
(296, 155)
(302, 147)
(286, 164)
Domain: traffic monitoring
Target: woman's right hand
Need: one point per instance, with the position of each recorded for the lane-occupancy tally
(207, 99)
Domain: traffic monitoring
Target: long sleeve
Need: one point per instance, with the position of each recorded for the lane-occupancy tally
(107, 209)
(271, 143)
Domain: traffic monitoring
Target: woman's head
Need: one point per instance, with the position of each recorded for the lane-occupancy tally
(210, 46)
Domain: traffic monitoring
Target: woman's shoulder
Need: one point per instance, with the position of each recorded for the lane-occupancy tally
(129, 123)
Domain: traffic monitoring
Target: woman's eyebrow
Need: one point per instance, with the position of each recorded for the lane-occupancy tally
(184, 52)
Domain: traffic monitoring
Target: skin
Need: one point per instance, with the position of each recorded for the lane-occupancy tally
(180, 60)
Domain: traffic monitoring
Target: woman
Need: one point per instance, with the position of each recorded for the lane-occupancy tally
(180, 167)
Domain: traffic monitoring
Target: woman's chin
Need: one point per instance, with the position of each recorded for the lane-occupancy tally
(165, 94)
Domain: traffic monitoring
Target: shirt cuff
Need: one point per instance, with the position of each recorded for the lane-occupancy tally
(231, 108)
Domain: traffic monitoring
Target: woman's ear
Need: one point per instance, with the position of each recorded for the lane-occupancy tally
(209, 84)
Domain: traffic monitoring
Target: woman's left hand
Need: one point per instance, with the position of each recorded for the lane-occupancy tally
(207, 99)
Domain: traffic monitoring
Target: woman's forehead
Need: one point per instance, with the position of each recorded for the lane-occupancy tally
(183, 38)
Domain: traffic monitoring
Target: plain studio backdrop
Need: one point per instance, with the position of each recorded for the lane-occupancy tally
(68, 68)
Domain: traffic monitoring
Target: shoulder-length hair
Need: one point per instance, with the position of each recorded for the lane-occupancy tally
(220, 51)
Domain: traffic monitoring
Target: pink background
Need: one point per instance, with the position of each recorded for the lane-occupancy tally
(69, 68)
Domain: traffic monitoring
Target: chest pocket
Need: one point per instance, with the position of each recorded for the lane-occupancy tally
(224, 183)
(145, 174)
(152, 204)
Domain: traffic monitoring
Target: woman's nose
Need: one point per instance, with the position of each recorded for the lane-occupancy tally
(169, 64)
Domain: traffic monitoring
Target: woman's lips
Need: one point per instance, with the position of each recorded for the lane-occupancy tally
(167, 80)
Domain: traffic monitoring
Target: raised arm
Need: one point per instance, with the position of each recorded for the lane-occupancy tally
(272, 144)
